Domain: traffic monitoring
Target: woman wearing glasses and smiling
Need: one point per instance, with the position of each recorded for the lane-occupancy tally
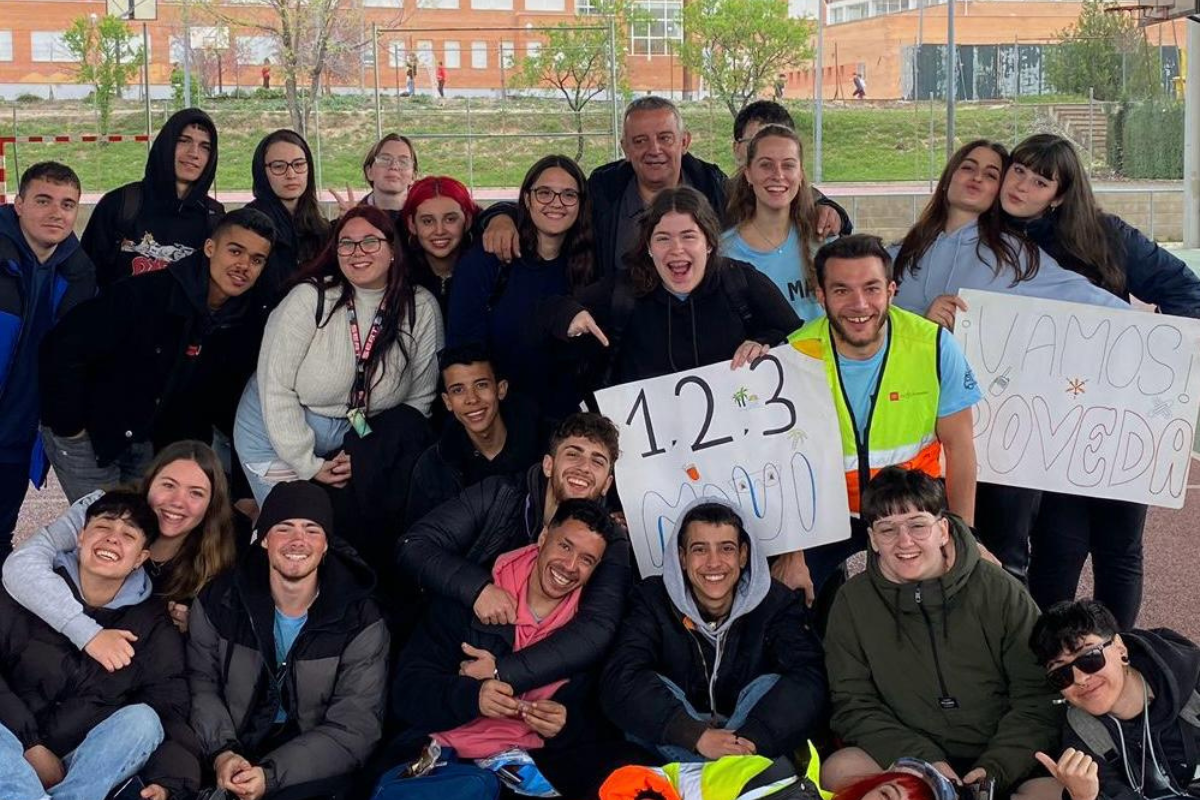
(928, 652)
(353, 338)
(285, 190)
(498, 304)
(1133, 728)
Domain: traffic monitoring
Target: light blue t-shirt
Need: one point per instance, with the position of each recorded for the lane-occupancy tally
(959, 389)
(784, 266)
(286, 630)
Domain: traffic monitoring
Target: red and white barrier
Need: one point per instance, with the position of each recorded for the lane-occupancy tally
(83, 137)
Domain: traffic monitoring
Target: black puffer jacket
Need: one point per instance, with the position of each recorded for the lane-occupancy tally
(451, 550)
(1171, 665)
(332, 686)
(52, 693)
(164, 228)
(147, 360)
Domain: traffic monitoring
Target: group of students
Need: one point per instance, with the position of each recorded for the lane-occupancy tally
(325, 583)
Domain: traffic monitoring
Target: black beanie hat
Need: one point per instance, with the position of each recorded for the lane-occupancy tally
(295, 500)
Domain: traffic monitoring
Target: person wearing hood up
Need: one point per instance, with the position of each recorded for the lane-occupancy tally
(287, 658)
(928, 652)
(43, 275)
(164, 218)
(285, 189)
(69, 729)
(715, 658)
(1133, 726)
(154, 360)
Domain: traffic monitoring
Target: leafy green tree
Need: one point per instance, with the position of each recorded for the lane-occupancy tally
(101, 45)
(739, 46)
(577, 63)
(1105, 52)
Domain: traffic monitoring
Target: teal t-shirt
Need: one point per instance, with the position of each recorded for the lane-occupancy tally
(286, 630)
(783, 265)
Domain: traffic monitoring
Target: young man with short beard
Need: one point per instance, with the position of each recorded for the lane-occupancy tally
(287, 657)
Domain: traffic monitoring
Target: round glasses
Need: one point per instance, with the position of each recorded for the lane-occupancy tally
(1089, 662)
(545, 195)
(919, 529)
(402, 163)
(299, 166)
(368, 244)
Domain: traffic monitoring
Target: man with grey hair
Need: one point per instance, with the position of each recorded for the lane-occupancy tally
(655, 143)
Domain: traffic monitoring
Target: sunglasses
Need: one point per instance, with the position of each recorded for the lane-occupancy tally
(1089, 662)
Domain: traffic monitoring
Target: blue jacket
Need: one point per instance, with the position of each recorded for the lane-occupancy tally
(1152, 274)
(23, 324)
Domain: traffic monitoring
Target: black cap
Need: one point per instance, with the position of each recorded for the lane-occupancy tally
(295, 500)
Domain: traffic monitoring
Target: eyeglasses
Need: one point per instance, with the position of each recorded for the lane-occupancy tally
(401, 163)
(1089, 662)
(368, 244)
(919, 529)
(545, 195)
(299, 166)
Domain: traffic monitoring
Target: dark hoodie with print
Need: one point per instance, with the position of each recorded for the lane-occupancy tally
(148, 360)
(144, 226)
(292, 247)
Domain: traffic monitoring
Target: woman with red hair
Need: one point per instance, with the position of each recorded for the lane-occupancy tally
(892, 785)
(354, 337)
(438, 214)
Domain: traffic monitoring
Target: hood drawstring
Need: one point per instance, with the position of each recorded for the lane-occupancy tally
(670, 342)
(695, 347)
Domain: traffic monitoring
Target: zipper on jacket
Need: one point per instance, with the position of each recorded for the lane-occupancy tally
(946, 700)
(708, 679)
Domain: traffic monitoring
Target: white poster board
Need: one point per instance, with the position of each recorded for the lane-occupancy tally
(764, 439)
(1081, 399)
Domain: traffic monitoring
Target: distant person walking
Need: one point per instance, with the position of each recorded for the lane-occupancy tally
(441, 80)
(266, 73)
(860, 86)
(410, 74)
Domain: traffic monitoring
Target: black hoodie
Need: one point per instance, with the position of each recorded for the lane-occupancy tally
(1171, 666)
(291, 247)
(143, 227)
(147, 360)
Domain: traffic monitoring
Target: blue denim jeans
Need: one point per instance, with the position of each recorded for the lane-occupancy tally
(262, 465)
(74, 463)
(112, 752)
(747, 698)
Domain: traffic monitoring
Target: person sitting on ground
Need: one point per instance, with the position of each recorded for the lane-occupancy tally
(1133, 726)
(156, 360)
(287, 658)
(465, 707)
(450, 552)
(906, 779)
(71, 730)
(43, 275)
(491, 432)
(165, 217)
(928, 651)
(715, 658)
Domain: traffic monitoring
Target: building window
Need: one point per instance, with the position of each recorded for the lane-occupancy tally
(385, 3)
(584, 7)
(6, 53)
(492, 5)
(479, 53)
(425, 53)
(451, 55)
(545, 5)
(661, 26)
(255, 49)
(397, 54)
(508, 54)
(48, 46)
(532, 49)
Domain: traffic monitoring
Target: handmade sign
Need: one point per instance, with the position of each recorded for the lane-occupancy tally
(1081, 399)
(763, 438)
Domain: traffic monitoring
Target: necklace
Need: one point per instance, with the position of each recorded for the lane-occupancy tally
(778, 248)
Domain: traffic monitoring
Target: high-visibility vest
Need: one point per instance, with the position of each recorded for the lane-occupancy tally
(901, 427)
(724, 779)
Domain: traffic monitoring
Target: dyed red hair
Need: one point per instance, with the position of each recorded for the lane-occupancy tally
(914, 787)
(439, 186)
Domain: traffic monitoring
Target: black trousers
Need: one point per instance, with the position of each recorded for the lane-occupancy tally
(1069, 528)
(1004, 517)
(14, 480)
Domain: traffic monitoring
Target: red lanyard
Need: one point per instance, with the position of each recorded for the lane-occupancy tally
(362, 351)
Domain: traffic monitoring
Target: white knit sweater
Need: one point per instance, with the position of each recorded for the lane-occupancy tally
(301, 366)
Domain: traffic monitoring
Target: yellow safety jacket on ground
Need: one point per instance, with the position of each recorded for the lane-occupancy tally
(902, 422)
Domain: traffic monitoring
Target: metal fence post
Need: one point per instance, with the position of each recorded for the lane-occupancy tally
(470, 148)
(375, 62)
(1091, 130)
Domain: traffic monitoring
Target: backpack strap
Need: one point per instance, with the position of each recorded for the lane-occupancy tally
(737, 288)
(1092, 732)
(500, 285)
(131, 206)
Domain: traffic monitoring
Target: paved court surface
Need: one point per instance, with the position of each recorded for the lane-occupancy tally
(1172, 549)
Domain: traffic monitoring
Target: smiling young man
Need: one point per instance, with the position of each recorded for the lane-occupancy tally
(164, 218)
(490, 432)
(450, 551)
(465, 705)
(901, 386)
(43, 275)
(154, 360)
(287, 658)
(71, 729)
(715, 658)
